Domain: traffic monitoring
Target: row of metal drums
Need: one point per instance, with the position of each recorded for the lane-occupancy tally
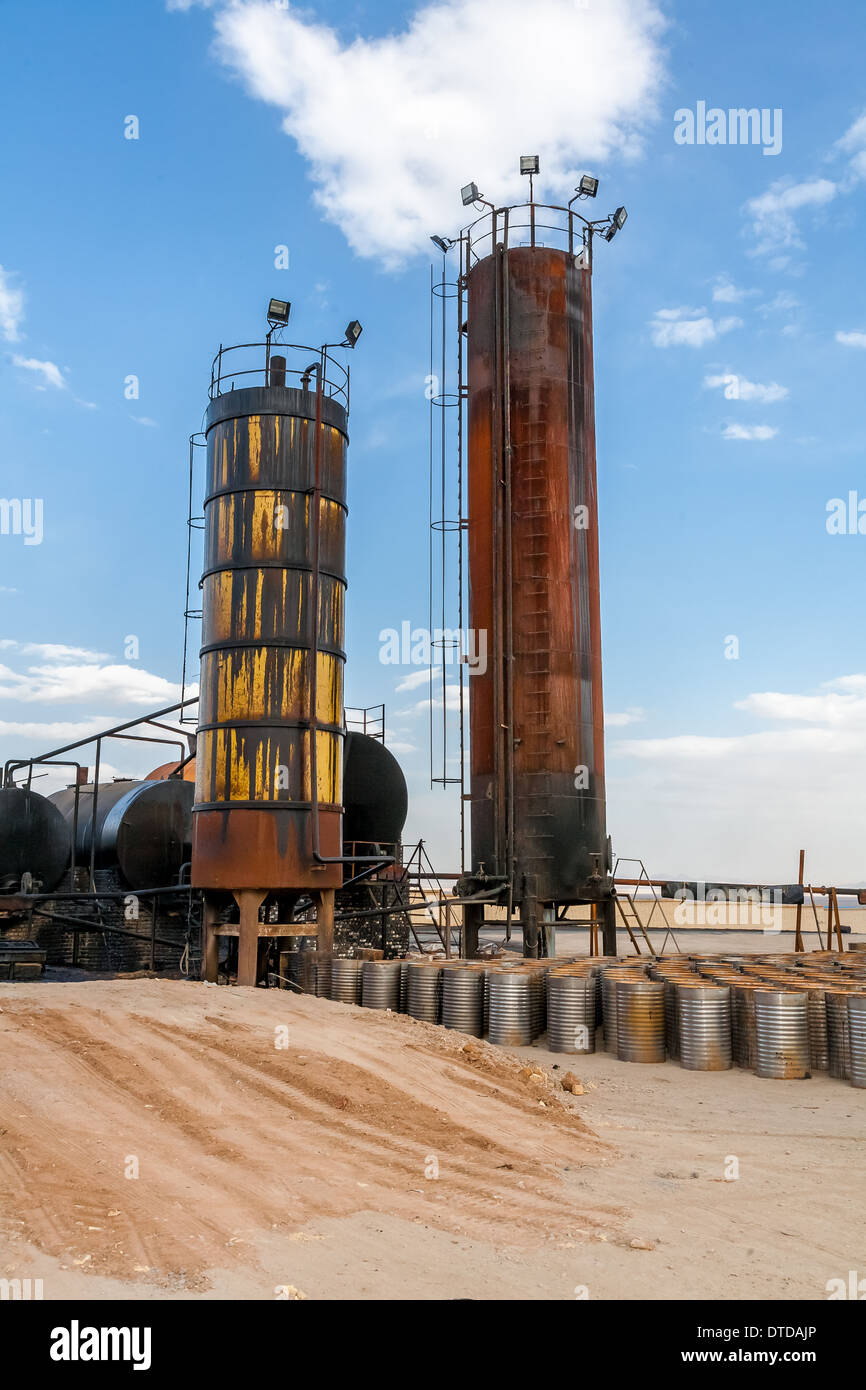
(780, 1016)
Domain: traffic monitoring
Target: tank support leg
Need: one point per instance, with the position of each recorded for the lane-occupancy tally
(249, 900)
(211, 944)
(473, 917)
(325, 921)
(608, 926)
(548, 917)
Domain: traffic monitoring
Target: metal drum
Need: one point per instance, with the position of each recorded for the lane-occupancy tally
(704, 1014)
(463, 999)
(346, 980)
(640, 1020)
(570, 1012)
(782, 1030)
(857, 1038)
(324, 963)
(511, 1008)
(608, 1000)
(380, 984)
(424, 999)
(743, 1030)
(819, 1043)
(838, 1034)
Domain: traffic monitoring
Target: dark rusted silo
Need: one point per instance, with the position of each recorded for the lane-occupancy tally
(536, 724)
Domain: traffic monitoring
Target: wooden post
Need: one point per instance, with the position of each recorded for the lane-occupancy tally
(210, 955)
(798, 938)
(325, 921)
(249, 900)
(838, 921)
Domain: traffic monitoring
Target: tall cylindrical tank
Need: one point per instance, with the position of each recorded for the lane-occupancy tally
(274, 564)
(34, 839)
(534, 574)
(145, 828)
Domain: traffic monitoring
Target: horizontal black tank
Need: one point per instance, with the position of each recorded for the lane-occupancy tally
(34, 839)
(375, 796)
(145, 828)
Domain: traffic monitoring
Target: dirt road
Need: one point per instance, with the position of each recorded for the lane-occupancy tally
(170, 1139)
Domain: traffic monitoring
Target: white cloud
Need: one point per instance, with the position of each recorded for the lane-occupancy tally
(853, 143)
(398, 746)
(50, 373)
(61, 683)
(635, 715)
(11, 306)
(686, 327)
(725, 292)
(753, 432)
(773, 213)
(857, 339)
(413, 680)
(391, 126)
(52, 651)
(741, 389)
(144, 420)
(741, 806)
(783, 302)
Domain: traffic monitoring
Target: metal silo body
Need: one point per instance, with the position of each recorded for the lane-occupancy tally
(264, 569)
(536, 725)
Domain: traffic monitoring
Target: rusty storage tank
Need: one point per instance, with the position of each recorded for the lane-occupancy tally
(270, 734)
(375, 796)
(536, 725)
(34, 840)
(145, 828)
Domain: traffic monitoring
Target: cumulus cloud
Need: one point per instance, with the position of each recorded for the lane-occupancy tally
(725, 292)
(741, 805)
(11, 306)
(392, 125)
(752, 432)
(65, 682)
(414, 680)
(741, 389)
(685, 327)
(50, 373)
(855, 339)
(635, 715)
(853, 144)
(774, 213)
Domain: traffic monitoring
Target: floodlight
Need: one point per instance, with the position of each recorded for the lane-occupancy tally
(611, 232)
(619, 218)
(278, 311)
(443, 242)
(353, 333)
(529, 164)
(588, 186)
(469, 194)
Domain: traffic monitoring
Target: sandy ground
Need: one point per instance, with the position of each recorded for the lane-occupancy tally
(310, 1169)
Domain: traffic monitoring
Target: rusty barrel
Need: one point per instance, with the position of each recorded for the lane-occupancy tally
(782, 1033)
(704, 1015)
(838, 1034)
(640, 1020)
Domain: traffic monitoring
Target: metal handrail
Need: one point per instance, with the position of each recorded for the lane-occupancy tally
(224, 374)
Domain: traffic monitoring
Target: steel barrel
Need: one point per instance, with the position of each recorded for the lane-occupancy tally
(640, 1020)
(857, 1038)
(704, 1014)
(380, 984)
(463, 999)
(424, 1000)
(346, 979)
(782, 1031)
(511, 1008)
(570, 1012)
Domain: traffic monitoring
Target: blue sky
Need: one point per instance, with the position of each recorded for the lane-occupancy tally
(344, 132)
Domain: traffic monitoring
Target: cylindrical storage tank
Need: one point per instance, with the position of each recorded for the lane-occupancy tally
(145, 828)
(424, 1000)
(380, 984)
(346, 979)
(570, 1013)
(273, 591)
(704, 1027)
(34, 839)
(640, 1020)
(531, 440)
(511, 1008)
(375, 795)
(782, 1031)
(463, 999)
(857, 1038)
